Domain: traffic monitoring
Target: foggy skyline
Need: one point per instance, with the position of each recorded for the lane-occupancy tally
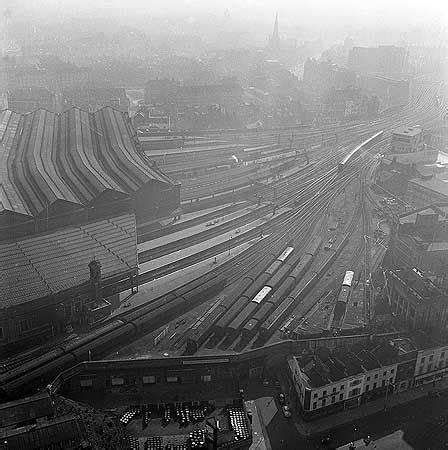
(399, 14)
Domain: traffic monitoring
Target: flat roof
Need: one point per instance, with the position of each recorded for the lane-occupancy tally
(437, 246)
(407, 131)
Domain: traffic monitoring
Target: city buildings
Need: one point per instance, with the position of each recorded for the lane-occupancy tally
(385, 59)
(321, 76)
(391, 92)
(417, 302)
(94, 98)
(26, 100)
(48, 72)
(349, 103)
(327, 382)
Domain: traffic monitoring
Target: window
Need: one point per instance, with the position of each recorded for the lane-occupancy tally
(172, 379)
(431, 357)
(323, 401)
(429, 367)
(24, 325)
(315, 395)
(341, 396)
(423, 359)
(206, 378)
(391, 380)
(442, 355)
(116, 381)
(367, 388)
(383, 383)
(324, 393)
(333, 399)
(376, 376)
(314, 405)
(86, 382)
(355, 391)
(334, 389)
(342, 386)
(368, 378)
(384, 373)
(392, 370)
(149, 379)
(1, 332)
(374, 385)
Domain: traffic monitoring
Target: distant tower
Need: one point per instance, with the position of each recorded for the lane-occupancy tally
(274, 42)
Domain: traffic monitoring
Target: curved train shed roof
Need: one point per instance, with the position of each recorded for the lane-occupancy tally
(70, 159)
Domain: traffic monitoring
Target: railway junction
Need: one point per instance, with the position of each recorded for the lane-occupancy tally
(269, 251)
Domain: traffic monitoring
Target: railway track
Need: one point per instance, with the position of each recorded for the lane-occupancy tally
(312, 191)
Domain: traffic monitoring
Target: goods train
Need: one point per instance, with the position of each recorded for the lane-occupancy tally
(357, 150)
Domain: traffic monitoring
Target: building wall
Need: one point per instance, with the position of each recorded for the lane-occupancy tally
(347, 391)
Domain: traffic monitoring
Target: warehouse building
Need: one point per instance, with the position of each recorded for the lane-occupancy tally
(75, 167)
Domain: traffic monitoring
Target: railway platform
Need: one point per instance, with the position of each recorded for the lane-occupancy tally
(163, 285)
(207, 244)
(196, 229)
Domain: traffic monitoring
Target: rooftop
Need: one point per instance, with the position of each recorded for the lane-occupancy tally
(408, 131)
(419, 285)
(45, 264)
(325, 369)
(68, 160)
(437, 246)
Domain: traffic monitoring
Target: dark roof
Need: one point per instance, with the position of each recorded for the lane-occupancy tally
(43, 435)
(70, 158)
(25, 409)
(45, 264)
(422, 288)
(344, 364)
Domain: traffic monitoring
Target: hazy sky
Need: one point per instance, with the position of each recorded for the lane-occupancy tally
(318, 13)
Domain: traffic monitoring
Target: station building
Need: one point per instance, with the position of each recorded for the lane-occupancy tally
(75, 167)
(73, 188)
(64, 280)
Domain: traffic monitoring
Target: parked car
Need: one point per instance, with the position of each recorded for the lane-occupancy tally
(286, 411)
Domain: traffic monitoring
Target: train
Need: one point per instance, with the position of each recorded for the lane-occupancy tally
(356, 151)
(142, 319)
(341, 304)
(252, 289)
(276, 318)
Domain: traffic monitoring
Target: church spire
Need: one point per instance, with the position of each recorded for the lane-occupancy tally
(274, 42)
(275, 37)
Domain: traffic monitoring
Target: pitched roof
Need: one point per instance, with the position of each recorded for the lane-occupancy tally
(46, 264)
(70, 158)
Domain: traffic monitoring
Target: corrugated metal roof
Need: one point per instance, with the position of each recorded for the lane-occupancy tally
(49, 263)
(72, 157)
